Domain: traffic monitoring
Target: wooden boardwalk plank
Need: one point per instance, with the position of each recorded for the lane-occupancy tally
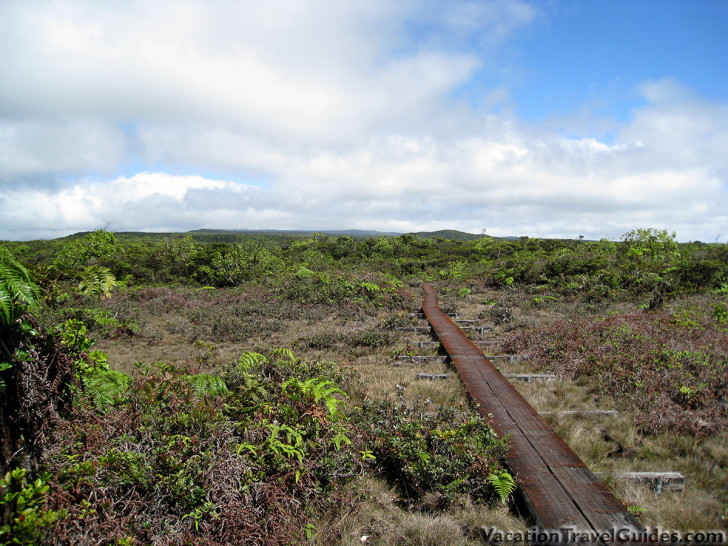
(559, 490)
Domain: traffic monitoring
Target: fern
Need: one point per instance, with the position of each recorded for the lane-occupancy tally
(340, 438)
(316, 390)
(106, 386)
(17, 290)
(245, 445)
(503, 483)
(3, 367)
(7, 308)
(294, 439)
(97, 282)
(326, 390)
(206, 384)
(249, 359)
(281, 353)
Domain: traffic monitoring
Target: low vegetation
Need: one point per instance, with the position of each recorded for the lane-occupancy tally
(147, 399)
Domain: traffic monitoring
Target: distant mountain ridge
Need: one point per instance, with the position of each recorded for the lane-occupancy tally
(334, 233)
(235, 234)
(451, 234)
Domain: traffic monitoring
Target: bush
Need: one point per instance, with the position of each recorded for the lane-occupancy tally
(439, 454)
(373, 338)
(669, 367)
(239, 458)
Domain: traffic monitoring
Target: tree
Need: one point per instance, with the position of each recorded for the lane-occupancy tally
(80, 252)
(94, 280)
(651, 245)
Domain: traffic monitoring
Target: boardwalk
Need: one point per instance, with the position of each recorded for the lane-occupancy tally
(558, 489)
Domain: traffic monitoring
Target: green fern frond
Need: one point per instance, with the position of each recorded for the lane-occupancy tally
(97, 281)
(503, 483)
(332, 404)
(249, 359)
(292, 447)
(316, 390)
(7, 309)
(106, 386)
(17, 290)
(254, 389)
(281, 353)
(207, 384)
(3, 367)
(16, 280)
(325, 391)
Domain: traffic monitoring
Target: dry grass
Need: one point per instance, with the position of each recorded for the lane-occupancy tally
(609, 445)
(378, 519)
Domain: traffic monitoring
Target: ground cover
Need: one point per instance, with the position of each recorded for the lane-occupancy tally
(638, 325)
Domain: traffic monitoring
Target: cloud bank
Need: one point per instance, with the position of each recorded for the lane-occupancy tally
(326, 115)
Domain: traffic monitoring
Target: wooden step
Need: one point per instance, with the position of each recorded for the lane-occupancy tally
(582, 413)
(433, 376)
(659, 481)
(531, 377)
(476, 329)
(418, 359)
(414, 329)
(422, 358)
(509, 358)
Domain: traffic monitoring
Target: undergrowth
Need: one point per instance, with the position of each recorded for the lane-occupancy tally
(250, 454)
(670, 366)
(239, 458)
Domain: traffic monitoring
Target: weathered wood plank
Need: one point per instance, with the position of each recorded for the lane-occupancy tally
(659, 481)
(509, 358)
(421, 315)
(582, 413)
(433, 376)
(414, 329)
(421, 358)
(531, 377)
(476, 329)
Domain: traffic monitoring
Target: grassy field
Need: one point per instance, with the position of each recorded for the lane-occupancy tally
(333, 440)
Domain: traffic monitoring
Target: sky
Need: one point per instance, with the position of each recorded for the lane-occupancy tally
(549, 118)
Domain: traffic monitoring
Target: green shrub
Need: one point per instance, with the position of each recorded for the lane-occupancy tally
(720, 313)
(231, 457)
(372, 339)
(22, 506)
(440, 454)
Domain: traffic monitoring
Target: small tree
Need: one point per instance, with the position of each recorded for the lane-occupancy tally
(651, 245)
(80, 252)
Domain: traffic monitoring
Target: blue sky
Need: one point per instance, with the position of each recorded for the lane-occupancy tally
(594, 52)
(554, 118)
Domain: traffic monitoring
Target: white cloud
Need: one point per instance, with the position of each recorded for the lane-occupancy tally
(676, 129)
(345, 109)
(283, 69)
(147, 201)
(36, 148)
